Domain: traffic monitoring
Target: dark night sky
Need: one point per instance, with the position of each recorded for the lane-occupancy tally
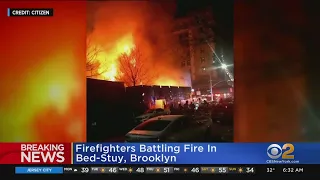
(222, 11)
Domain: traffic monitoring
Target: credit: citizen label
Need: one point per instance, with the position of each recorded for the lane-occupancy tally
(30, 12)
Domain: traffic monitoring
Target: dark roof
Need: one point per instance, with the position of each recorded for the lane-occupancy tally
(167, 117)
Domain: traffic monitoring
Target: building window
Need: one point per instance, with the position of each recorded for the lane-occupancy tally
(202, 59)
(201, 50)
(188, 62)
(183, 64)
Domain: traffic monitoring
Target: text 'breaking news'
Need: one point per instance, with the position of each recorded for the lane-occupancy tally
(12, 12)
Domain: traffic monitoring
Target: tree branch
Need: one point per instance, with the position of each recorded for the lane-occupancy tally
(133, 68)
(92, 62)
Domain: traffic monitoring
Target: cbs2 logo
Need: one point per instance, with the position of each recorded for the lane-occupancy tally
(275, 151)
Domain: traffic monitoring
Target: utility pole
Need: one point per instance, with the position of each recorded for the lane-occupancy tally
(210, 83)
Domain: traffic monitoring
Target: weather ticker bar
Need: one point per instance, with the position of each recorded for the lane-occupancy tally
(245, 170)
(159, 170)
(206, 170)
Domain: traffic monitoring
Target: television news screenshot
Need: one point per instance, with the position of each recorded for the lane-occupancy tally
(167, 87)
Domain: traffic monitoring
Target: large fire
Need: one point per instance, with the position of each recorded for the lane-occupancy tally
(109, 67)
(167, 82)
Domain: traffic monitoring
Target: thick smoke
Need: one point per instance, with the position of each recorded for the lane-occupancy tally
(149, 24)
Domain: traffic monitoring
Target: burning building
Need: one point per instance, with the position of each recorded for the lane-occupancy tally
(195, 32)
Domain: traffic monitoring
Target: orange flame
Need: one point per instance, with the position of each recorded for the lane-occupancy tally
(168, 81)
(108, 59)
(109, 67)
(111, 73)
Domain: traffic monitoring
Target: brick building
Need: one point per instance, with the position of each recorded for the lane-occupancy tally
(195, 33)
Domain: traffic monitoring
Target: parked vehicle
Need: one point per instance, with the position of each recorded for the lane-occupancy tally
(172, 128)
(150, 114)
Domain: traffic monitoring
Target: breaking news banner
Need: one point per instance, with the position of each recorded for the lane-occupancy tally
(35, 153)
(39, 12)
(160, 153)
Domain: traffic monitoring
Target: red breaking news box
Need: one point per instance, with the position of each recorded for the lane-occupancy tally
(35, 153)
